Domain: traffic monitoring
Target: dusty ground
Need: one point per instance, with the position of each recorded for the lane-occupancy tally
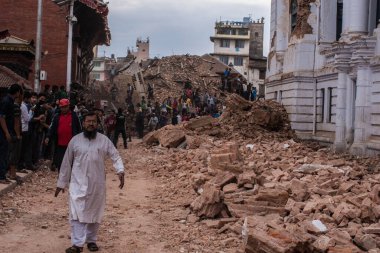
(142, 217)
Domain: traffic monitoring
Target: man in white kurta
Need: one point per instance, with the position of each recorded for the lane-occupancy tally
(83, 171)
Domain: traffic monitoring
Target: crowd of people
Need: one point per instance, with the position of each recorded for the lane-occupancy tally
(36, 127)
(149, 114)
(237, 85)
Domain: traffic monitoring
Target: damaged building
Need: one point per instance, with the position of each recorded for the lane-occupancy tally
(240, 45)
(323, 66)
(90, 28)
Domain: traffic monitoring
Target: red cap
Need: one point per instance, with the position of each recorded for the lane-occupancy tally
(64, 102)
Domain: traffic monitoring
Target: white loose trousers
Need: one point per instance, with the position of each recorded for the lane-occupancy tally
(82, 233)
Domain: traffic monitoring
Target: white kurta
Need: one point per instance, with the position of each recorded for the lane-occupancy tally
(83, 170)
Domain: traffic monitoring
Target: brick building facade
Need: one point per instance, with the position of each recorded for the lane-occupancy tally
(20, 18)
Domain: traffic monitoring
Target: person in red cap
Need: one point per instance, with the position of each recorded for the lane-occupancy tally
(64, 127)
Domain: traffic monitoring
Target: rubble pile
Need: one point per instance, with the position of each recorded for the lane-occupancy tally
(240, 118)
(285, 196)
(247, 118)
(169, 74)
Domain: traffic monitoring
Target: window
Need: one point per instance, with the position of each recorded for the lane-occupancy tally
(239, 44)
(96, 76)
(224, 59)
(224, 43)
(256, 34)
(329, 105)
(97, 64)
(262, 74)
(323, 105)
(238, 61)
(339, 19)
(293, 14)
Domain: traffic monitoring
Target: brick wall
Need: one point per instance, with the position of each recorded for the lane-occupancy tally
(20, 18)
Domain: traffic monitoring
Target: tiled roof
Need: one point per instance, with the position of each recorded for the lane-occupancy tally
(8, 77)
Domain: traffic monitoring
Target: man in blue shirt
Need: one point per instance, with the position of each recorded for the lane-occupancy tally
(7, 128)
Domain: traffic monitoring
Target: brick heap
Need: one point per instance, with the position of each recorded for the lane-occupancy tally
(272, 193)
(169, 74)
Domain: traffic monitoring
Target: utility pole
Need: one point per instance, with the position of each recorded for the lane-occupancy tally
(71, 21)
(37, 63)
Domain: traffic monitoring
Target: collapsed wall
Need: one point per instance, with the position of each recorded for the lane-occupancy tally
(253, 180)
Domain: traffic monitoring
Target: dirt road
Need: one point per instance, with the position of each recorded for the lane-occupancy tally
(139, 218)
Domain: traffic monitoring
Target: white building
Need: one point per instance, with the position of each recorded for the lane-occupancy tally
(101, 69)
(324, 66)
(233, 45)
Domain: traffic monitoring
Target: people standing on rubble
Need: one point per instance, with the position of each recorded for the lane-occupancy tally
(15, 145)
(163, 119)
(143, 104)
(110, 123)
(25, 161)
(175, 104)
(157, 108)
(245, 91)
(254, 94)
(65, 125)
(100, 114)
(83, 172)
(150, 91)
(8, 133)
(130, 91)
(47, 150)
(211, 104)
(131, 108)
(140, 123)
(38, 125)
(130, 124)
(226, 76)
(249, 90)
(174, 118)
(120, 128)
(153, 121)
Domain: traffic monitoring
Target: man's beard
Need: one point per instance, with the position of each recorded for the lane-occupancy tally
(89, 134)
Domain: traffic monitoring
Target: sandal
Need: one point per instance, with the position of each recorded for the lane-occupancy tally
(92, 246)
(74, 249)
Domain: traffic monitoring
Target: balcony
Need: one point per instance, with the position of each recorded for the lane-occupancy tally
(230, 36)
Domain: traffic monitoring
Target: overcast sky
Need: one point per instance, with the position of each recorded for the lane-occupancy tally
(176, 26)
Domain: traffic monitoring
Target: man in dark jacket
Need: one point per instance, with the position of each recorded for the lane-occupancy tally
(120, 128)
(64, 127)
(8, 134)
(140, 123)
